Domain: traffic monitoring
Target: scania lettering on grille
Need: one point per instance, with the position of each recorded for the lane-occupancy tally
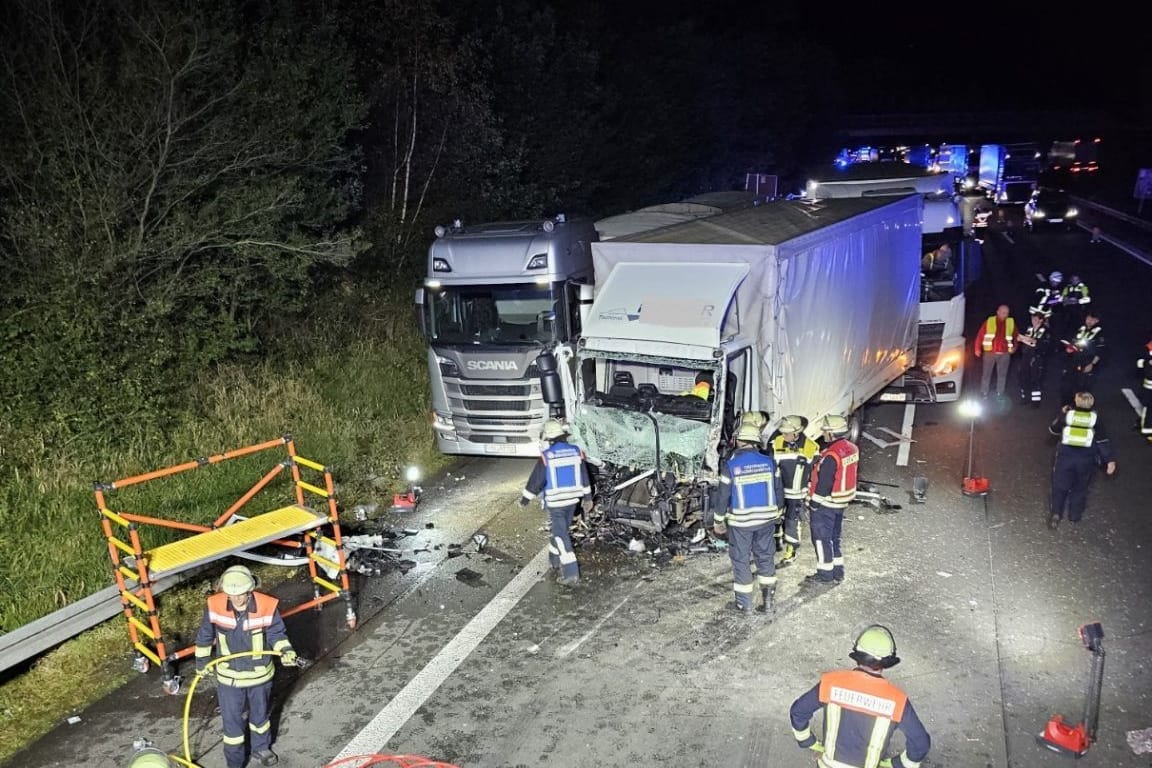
(491, 365)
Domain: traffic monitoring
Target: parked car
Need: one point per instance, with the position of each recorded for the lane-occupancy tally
(1049, 208)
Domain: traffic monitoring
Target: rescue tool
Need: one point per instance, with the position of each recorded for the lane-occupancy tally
(407, 501)
(1074, 740)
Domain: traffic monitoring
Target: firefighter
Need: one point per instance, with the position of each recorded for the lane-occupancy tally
(830, 489)
(1074, 299)
(861, 710)
(793, 451)
(1035, 347)
(1083, 446)
(239, 619)
(1048, 298)
(1145, 365)
(562, 476)
(1082, 359)
(749, 500)
(995, 343)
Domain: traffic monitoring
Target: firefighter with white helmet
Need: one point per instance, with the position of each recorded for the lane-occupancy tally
(748, 502)
(831, 487)
(793, 451)
(562, 476)
(236, 620)
(861, 710)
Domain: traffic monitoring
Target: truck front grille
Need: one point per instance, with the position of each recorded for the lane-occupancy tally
(928, 343)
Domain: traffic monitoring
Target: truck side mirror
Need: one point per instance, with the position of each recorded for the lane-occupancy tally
(550, 388)
(419, 306)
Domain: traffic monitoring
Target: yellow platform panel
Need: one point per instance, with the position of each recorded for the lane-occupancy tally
(238, 537)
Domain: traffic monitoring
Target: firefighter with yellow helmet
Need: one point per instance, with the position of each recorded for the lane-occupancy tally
(794, 452)
(748, 501)
(861, 710)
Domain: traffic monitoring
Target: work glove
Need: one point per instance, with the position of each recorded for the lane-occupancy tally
(524, 501)
(288, 658)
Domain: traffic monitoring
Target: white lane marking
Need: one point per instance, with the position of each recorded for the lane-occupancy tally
(906, 434)
(570, 648)
(1133, 401)
(376, 734)
(878, 441)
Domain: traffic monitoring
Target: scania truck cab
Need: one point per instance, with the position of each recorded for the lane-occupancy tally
(494, 296)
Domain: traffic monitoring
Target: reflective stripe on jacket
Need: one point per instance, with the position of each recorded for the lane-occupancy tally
(795, 462)
(231, 632)
(565, 475)
(843, 486)
(860, 711)
(754, 493)
(1079, 429)
(1007, 334)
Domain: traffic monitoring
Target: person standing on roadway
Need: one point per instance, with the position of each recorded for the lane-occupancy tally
(861, 710)
(1035, 347)
(236, 620)
(1083, 447)
(1144, 363)
(1082, 359)
(995, 343)
(748, 501)
(831, 487)
(562, 476)
(793, 451)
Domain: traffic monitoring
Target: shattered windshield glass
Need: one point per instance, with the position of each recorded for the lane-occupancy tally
(628, 438)
(503, 314)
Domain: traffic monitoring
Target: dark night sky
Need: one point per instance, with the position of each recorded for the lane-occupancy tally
(1004, 55)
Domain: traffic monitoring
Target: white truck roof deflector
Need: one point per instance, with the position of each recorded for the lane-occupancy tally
(680, 303)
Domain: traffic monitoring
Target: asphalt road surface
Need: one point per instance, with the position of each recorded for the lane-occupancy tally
(642, 664)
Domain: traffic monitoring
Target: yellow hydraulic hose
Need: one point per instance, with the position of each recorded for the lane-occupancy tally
(187, 759)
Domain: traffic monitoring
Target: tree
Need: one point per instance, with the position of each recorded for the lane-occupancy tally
(171, 175)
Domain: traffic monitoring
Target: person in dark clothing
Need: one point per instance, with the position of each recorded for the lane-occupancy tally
(1083, 356)
(562, 476)
(861, 711)
(239, 619)
(1144, 363)
(1035, 345)
(749, 500)
(1083, 447)
(831, 487)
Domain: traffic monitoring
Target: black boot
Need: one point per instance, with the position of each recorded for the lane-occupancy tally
(766, 606)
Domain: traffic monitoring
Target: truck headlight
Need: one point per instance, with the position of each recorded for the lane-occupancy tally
(1037, 214)
(947, 364)
(443, 424)
(1072, 212)
(448, 367)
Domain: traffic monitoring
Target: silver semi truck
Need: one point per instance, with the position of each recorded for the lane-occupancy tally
(494, 295)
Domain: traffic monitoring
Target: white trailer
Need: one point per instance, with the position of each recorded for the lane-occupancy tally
(792, 307)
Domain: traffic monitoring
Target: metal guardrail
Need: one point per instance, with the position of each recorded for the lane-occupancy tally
(47, 632)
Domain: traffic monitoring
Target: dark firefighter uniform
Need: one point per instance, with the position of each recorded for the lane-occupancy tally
(861, 710)
(1083, 447)
(1082, 359)
(1145, 365)
(562, 476)
(1035, 348)
(831, 488)
(794, 452)
(244, 684)
(749, 504)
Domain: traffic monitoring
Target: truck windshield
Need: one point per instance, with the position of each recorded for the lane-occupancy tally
(501, 314)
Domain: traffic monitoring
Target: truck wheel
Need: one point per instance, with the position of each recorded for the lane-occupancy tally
(854, 427)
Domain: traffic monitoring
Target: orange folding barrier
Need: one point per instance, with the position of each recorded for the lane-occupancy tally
(138, 567)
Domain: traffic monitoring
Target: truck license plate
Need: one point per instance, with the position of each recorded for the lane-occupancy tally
(502, 449)
(893, 397)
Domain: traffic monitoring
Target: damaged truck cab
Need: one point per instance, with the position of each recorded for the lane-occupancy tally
(789, 307)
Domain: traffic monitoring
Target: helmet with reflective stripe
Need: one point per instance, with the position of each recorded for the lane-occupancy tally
(756, 419)
(834, 424)
(237, 580)
(554, 430)
(748, 433)
(791, 425)
(875, 647)
(1056, 277)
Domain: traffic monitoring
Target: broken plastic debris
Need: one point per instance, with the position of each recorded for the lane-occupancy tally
(533, 648)
(698, 536)
(945, 574)
(467, 575)
(73, 720)
(636, 545)
(1140, 741)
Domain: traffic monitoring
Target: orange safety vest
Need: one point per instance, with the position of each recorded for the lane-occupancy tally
(990, 333)
(220, 612)
(850, 696)
(847, 458)
(245, 671)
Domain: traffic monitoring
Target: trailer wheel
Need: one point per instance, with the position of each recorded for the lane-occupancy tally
(855, 427)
